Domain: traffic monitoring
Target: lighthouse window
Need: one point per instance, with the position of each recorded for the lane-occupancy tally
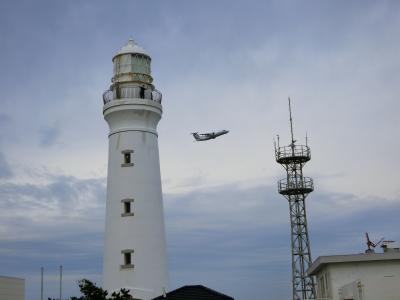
(126, 207)
(127, 259)
(127, 158)
(116, 65)
(127, 254)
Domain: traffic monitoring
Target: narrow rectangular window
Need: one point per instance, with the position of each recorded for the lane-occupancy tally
(127, 209)
(127, 259)
(322, 286)
(127, 158)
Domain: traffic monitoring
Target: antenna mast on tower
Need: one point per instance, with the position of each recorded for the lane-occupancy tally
(295, 188)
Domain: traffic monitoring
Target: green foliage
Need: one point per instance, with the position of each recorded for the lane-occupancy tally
(90, 291)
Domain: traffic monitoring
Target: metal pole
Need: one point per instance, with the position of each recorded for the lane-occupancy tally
(291, 122)
(41, 283)
(60, 282)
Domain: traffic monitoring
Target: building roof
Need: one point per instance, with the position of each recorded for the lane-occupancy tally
(321, 261)
(194, 292)
(131, 47)
(9, 277)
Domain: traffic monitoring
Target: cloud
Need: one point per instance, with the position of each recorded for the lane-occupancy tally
(4, 119)
(216, 68)
(41, 211)
(49, 135)
(5, 125)
(236, 238)
(231, 237)
(5, 169)
(58, 221)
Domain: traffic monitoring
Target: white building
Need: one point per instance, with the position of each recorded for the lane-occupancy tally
(135, 251)
(370, 276)
(12, 288)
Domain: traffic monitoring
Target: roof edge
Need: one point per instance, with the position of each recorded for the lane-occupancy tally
(349, 258)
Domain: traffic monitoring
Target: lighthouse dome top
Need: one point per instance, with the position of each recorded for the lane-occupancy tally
(131, 47)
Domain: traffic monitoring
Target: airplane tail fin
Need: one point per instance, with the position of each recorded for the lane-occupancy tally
(195, 135)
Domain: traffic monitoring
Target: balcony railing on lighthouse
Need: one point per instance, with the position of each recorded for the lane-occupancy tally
(132, 92)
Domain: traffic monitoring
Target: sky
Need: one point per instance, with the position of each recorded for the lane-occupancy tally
(220, 65)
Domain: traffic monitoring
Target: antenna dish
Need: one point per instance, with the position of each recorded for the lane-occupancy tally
(371, 245)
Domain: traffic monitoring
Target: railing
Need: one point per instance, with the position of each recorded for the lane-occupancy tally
(295, 185)
(296, 152)
(108, 96)
(132, 92)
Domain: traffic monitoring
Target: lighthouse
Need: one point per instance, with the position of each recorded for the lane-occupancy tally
(135, 247)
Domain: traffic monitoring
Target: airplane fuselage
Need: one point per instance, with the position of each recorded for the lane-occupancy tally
(208, 136)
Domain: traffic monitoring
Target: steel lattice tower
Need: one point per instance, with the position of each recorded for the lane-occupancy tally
(295, 188)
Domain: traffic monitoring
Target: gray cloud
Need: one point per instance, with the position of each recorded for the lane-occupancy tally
(216, 68)
(49, 135)
(5, 123)
(5, 120)
(5, 169)
(36, 211)
(234, 238)
(48, 224)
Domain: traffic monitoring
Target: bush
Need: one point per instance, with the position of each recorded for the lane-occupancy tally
(90, 291)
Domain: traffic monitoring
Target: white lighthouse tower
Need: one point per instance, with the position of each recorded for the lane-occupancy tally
(135, 251)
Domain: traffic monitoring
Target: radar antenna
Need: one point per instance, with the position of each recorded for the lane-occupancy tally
(371, 245)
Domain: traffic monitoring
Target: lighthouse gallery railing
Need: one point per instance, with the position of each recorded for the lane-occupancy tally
(132, 92)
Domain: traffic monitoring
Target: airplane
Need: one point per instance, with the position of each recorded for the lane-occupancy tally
(199, 137)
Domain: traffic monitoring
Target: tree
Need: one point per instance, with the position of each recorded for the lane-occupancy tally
(90, 291)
